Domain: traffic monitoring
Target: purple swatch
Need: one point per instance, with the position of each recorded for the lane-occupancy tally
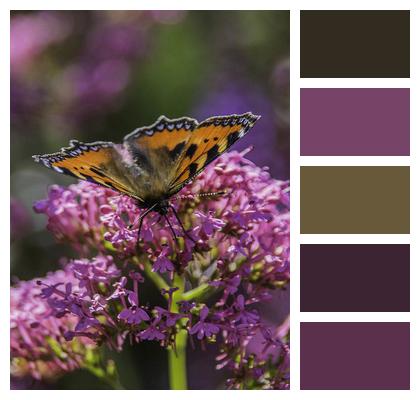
(355, 122)
(355, 277)
(355, 355)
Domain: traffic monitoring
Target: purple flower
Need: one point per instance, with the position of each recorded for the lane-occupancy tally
(133, 315)
(204, 329)
(38, 347)
(169, 317)
(239, 256)
(208, 223)
(243, 316)
(74, 214)
(152, 332)
(163, 263)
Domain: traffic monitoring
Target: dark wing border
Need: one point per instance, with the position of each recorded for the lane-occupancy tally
(75, 149)
(161, 124)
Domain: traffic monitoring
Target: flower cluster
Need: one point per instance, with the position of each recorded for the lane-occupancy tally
(38, 346)
(235, 253)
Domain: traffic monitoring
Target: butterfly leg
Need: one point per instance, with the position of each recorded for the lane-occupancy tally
(141, 218)
(138, 233)
(172, 229)
(180, 223)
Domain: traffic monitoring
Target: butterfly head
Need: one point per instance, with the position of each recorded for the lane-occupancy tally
(162, 207)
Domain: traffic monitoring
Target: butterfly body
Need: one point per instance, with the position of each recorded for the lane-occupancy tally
(154, 162)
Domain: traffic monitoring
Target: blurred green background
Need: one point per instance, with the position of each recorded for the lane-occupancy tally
(98, 75)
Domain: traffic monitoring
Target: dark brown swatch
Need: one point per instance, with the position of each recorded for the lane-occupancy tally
(353, 44)
(355, 277)
(355, 355)
(355, 199)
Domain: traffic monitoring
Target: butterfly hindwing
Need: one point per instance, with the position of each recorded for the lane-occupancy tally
(96, 162)
(209, 140)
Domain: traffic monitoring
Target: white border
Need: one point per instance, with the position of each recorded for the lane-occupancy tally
(295, 84)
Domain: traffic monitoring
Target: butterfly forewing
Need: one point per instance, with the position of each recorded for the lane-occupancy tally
(97, 162)
(209, 140)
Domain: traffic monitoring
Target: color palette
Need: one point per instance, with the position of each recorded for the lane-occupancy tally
(355, 277)
(368, 199)
(355, 122)
(355, 355)
(355, 44)
(355, 199)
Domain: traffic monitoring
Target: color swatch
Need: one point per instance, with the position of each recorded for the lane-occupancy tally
(355, 277)
(362, 122)
(355, 44)
(355, 122)
(355, 199)
(355, 355)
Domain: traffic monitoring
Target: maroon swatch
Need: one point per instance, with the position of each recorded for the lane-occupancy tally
(355, 355)
(355, 277)
(355, 122)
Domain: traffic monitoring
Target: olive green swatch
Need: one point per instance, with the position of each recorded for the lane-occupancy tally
(355, 199)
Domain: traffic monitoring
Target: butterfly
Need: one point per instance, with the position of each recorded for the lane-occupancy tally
(155, 162)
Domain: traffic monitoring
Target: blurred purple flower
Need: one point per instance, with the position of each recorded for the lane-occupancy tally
(20, 221)
(168, 16)
(30, 34)
(231, 96)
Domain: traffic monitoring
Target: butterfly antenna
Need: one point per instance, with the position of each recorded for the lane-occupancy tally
(206, 194)
(181, 224)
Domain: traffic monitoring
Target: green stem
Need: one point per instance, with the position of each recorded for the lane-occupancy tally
(197, 292)
(177, 359)
(155, 278)
(178, 362)
(112, 379)
(115, 384)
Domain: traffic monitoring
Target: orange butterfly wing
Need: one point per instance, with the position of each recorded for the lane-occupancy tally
(208, 141)
(159, 160)
(96, 162)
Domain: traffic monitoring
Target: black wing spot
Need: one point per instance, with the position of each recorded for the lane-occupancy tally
(206, 140)
(89, 178)
(191, 150)
(215, 139)
(212, 154)
(232, 138)
(141, 159)
(97, 172)
(176, 151)
(68, 172)
(109, 184)
(192, 169)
